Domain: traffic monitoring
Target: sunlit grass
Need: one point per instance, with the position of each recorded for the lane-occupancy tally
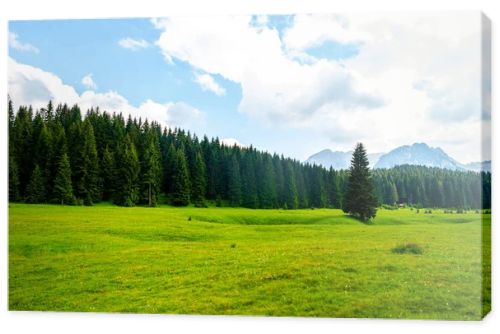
(240, 261)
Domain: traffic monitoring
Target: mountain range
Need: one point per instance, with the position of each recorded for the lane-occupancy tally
(417, 154)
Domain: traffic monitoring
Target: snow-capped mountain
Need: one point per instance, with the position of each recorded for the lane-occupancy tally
(417, 154)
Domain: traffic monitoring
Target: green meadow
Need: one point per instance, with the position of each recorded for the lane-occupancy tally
(318, 263)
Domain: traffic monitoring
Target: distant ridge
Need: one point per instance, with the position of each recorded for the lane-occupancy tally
(419, 154)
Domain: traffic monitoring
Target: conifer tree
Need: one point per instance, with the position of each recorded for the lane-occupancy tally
(169, 166)
(63, 190)
(91, 178)
(360, 199)
(250, 198)
(198, 181)
(36, 188)
(126, 174)
(234, 182)
(180, 180)
(13, 180)
(150, 168)
(107, 174)
(290, 192)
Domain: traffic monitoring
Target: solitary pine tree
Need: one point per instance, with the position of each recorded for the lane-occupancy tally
(360, 200)
(36, 188)
(63, 190)
(180, 180)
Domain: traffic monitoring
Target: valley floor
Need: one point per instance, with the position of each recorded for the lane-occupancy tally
(250, 262)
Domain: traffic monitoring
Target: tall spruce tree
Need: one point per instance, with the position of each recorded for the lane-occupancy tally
(63, 190)
(234, 182)
(91, 178)
(198, 181)
(126, 188)
(151, 172)
(180, 180)
(290, 194)
(13, 180)
(108, 174)
(360, 199)
(36, 188)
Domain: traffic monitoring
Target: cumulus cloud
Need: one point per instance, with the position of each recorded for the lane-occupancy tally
(16, 44)
(275, 88)
(88, 82)
(28, 85)
(207, 83)
(415, 77)
(133, 44)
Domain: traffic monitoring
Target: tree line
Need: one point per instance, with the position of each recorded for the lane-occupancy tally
(58, 156)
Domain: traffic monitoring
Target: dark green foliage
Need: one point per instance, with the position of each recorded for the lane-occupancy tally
(126, 176)
(63, 190)
(36, 187)
(180, 180)
(13, 181)
(91, 181)
(133, 161)
(198, 181)
(234, 183)
(360, 199)
(151, 169)
(291, 199)
(108, 174)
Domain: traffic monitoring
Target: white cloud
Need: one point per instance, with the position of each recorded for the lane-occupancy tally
(275, 88)
(415, 77)
(28, 85)
(16, 44)
(207, 83)
(133, 44)
(231, 142)
(88, 82)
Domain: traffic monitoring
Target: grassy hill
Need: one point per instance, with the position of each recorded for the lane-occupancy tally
(251, 262)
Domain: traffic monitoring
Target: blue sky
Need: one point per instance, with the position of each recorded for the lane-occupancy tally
(137, 75)
(287, 84)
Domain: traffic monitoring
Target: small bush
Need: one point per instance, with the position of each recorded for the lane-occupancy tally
(409, 248)
(189, 219)
(233, 245)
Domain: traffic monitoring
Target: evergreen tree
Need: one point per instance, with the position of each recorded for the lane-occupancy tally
(91, 179)
(198, 183)
(234, 183)
(13, 180)
(291, 199)
(126, 189)
(360, 199)
(63, 190)
(36, 187)
(180, 180)
(250, 198)
(108, 174)
(169, 168)
(151, 172)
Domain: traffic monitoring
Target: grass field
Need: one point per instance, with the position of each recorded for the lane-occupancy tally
(249, 262)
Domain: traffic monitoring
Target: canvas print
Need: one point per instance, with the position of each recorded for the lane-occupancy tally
(309, 165)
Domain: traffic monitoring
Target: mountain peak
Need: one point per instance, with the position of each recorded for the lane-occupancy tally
(415, 154)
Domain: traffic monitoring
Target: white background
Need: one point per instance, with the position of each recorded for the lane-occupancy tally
(48, 322)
